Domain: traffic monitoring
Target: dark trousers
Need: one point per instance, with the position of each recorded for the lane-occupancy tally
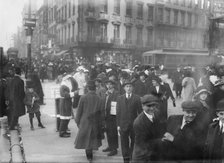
(126, 145)
(178, 89)
(57, 112)
(63, 126)
(111, 131)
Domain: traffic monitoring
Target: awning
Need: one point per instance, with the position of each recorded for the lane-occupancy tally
(61, 52)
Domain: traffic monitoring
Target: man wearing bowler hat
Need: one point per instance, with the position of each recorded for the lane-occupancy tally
(128, 108)
(148, 131)
(181, 140)
(110, 104)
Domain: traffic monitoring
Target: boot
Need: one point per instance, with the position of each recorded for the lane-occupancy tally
(39, 123)
(57, 124)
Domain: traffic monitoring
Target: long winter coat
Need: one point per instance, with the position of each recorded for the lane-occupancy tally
(88, 119)
(17, 95)
(189, 87)
(3, 106)
(65, 103)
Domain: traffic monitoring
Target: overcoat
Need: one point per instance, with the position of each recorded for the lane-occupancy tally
(127, 114)
(147, 136)
(189, 87)
(141, 88)
(211, 153)
(186, 144)
(65, 103)
(28, 102)
(89, 119)
(3, 105)
(17, 95)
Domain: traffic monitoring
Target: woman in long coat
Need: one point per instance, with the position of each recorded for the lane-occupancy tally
(88, 119)
(189, 86)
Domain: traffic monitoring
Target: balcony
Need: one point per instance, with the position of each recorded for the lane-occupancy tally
(115, 41)
(102, 39)
(90, 15)
(61, 21)
(103, 17)
(127, 41)
(129, 20)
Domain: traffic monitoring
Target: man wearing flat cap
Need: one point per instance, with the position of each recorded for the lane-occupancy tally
(181, 140)
(148, 131)
(218, 94)
(128, 108)
(110, 103)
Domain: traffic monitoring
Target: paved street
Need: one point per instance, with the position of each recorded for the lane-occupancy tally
(44, 145)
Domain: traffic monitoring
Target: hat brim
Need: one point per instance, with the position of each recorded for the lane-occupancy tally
(129, 83)
(201, 91)
(151, 103)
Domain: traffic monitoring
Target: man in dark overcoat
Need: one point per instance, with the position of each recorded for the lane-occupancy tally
(141, 86)
(110, 103)
(148, 131)
(89, 121)
(17, 95)
(181, 140)
(128, 108)
(3, 106)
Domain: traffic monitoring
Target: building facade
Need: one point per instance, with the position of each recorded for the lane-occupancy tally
(121, 30)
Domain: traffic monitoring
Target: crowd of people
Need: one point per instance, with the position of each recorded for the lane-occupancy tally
(132, 106)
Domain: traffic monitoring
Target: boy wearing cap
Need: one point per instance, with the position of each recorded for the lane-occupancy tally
(128, 108)
(148, 131)
(181, 141)
(214, 146)
(110, 103)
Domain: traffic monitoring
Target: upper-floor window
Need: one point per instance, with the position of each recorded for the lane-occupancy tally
(160, 15)
(104, 6)
(103, 30)
(150, 13)
(176, 2)
(90, 30)
(69, 9)
(90, 5)
(116, 31)
(117, 7)
(139, 35)
(189, 19)
(183, 3)
(196, 20)
(65, 11)
(175, 17)
(140, 10)
(128, 34)
(129, 8)
(189, 3)
(182, 18)
(73, 8)
(167, 16)
(149, 37)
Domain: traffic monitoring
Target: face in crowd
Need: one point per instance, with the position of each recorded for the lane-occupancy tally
(151, 109)
(189, 115)
(203, 96)
(109, 86)
(128, 88)
(220, 114)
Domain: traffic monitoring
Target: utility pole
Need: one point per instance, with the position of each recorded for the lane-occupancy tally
(29, 23)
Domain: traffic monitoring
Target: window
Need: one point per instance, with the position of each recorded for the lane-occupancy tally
(196, 20)
(65, 11)
(183, 2)
(189, 19)
(73, 10)
(103, 30)
(140, 11)
(69, 30)
(129, 8)
(149, 37)
(150, 13)
(175, 17)
(139, 35)
(128, 34)
(182, 18)
(168, 16)
(90, 5)
(117, 7)
(73, 31)
(90, 30)
(104, 6)
(160, 15)
(189, 3)
(175, 2)
(69, 9)
(116, 31)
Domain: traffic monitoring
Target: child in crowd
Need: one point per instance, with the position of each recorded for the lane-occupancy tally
(31, 102)
(214, 148)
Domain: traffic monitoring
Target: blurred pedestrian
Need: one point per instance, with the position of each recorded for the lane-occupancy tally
(17, 95)
(189, 86)
(177, 82)
(128, 108)
(31, 101)
(89, 121)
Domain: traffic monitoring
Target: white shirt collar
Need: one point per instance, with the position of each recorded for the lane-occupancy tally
(221, 125)
(150, 117)
(128, 94)
(183, 123)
